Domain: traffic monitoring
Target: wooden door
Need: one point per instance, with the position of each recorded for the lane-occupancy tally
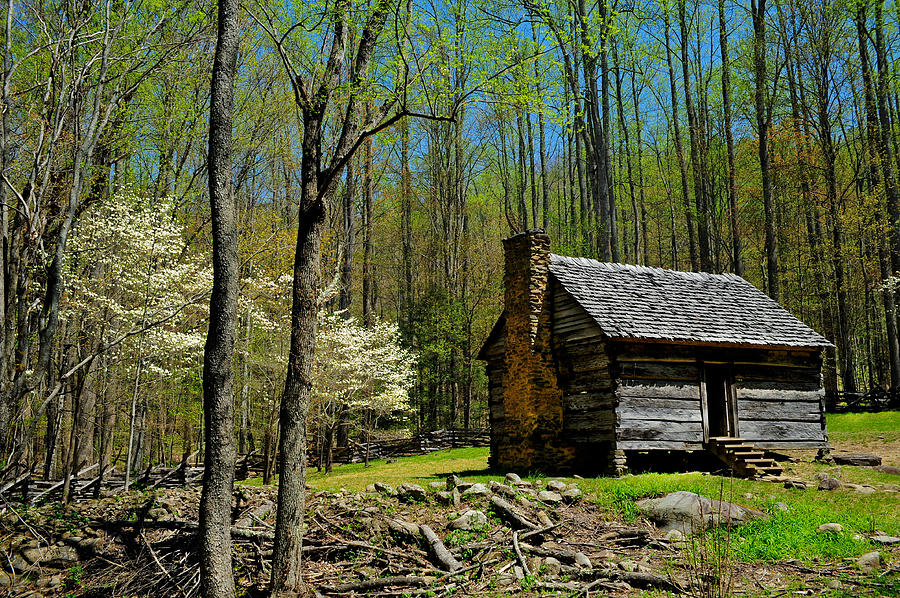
(718, 401)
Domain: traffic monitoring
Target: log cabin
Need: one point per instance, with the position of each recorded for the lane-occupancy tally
(591, 363)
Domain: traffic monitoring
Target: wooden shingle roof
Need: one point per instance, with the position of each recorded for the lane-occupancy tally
(637, 302)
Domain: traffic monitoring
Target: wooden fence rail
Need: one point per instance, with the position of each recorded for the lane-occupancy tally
(871, 401)
(91, 482)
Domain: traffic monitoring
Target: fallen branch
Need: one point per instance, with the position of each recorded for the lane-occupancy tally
(376, 584)
(512, 513)
(438, 549)
(519, 555)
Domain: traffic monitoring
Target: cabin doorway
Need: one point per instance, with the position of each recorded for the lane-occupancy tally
(719, 404)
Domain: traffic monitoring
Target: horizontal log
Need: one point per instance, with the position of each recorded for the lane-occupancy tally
(658, 445)
(659, 430)
(588, 401)
(661, 402)
(630, 388)
(746, 372)
(766, 394)
(637, 370)
(788, 445)
(659, 414)
(589, 420)
(776, 431)
(785, 384)
(778, 410)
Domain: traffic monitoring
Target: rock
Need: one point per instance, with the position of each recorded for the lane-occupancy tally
(888, 469)
(865, 490)
(88, 545)
(523, 484)
(870, 561)
(550, 497)
(795, 484)
(502, 488)
(687, 511)
(602, 555)
(445, 498)
(513, 478)
(557, 486)
(518, 573)
(476, 490)
(885, 539)
(523, 501)
(831, 528)
(18, 564)
(53, 556)
(35, 555)
(552, 566)
(782, 507)
(158, 514)
(62, 557)
(385, 489)
(455, 497)
(437, 485)
(411, 493)
(544, 519)
(675, 535)
(829, 483)
(506, 579)
(572, 495)
(470, 520)
(455, 482)
(7, 579)
(859, 459)
(371, 488)
(890, 487)
(582, 561)
(834, 584)
(534, 564)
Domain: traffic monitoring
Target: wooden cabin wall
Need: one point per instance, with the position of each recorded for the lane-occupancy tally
(658, 398)
(584, 377)
(780, 400)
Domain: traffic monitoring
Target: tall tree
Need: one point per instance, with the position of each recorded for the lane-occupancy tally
(216, 577)
(737, 262)
(763, 118)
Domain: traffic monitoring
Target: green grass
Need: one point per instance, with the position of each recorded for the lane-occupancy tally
(864, 427)
(790, 534)
(420, 469)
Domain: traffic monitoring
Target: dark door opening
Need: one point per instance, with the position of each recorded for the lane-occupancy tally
(720, 416)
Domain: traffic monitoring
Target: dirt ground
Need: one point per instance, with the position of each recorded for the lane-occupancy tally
(143, 545)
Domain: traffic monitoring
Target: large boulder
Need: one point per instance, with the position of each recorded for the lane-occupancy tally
(689, 512)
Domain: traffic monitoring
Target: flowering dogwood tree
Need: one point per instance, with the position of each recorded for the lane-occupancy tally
(366, 369)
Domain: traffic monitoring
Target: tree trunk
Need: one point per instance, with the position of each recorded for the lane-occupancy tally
(679, 151)
(758, 14)
(737, 262)
(216, 576)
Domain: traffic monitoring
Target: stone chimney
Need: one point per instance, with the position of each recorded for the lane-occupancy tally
(532, 399)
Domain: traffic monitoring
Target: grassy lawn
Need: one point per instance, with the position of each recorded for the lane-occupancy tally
(789, 534)
(876, 428)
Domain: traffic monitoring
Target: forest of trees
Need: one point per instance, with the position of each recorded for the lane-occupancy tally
(391, 145)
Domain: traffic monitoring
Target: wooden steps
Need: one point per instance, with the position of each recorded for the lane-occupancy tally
(742, 457)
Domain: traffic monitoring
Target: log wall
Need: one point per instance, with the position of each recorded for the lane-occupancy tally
(584, 377)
